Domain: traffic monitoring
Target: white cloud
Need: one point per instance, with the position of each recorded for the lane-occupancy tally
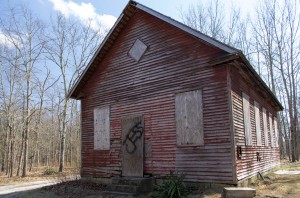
(5, 41)
(85, 12)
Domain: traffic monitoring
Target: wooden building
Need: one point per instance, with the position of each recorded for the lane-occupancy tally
(159, 96)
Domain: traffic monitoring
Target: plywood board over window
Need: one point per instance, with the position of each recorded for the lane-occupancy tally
(101, 128)
(265, 127)
(271, 130)
(247, 122)
(257, 123)
(137, 50)
(189, 118)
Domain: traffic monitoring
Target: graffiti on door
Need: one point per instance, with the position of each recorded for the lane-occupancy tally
(132, 137)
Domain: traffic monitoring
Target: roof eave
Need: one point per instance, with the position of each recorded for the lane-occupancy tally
(241, 56)
(71, 92)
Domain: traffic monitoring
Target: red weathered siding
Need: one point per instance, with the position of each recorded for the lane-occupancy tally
(174, 62)
(270, 157)
(211, 162)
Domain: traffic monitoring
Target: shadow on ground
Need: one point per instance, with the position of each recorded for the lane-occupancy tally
(74, 189)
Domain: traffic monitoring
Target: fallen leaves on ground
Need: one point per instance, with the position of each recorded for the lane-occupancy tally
(76, 189)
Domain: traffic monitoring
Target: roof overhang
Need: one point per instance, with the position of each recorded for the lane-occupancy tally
(258, 78)
(241, 57)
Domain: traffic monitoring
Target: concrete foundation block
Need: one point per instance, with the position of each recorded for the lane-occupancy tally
(237, 192)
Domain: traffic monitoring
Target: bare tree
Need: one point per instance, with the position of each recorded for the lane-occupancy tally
(38, 124)
(70, 48)
(10, 91)
(277, 31)
(270, 41)
(211, 20)
(43, 86)
(208, 19)
(25, 34)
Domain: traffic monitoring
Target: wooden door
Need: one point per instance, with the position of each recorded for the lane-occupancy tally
(133, 146)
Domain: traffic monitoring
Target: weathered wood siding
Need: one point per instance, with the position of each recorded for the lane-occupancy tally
(174, 62)
(249, 165)
(211, 162)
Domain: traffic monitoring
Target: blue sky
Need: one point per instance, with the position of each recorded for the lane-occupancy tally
(105, 12)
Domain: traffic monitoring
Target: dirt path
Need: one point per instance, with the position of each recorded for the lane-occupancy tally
(12, 189)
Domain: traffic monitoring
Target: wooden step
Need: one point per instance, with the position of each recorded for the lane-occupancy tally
(132, 180)
(124, 188)
(130, 186)
(113, 194)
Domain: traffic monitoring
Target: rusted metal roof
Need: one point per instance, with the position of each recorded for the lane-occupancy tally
(121, 22)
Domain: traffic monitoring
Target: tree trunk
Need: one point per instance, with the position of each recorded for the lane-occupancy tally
(24, 172)
(287, 140)
(7, 152)
(11, 165)
(62, 152)
(293, 143)
(63, 136)
(38, 159)
(26, 131)
(3, 166)
(21, 155)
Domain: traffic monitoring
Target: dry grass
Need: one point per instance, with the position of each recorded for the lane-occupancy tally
(76, 189)
(37, 175)
(280, 185)
(275, 186)
(284, 186)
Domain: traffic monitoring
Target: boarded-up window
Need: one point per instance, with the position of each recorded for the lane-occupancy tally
(101, 128)
(189, 118)
(257, 123)
(265, 127)
(137, 50)
(276, 132)
(271, 129)
(247, 122)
